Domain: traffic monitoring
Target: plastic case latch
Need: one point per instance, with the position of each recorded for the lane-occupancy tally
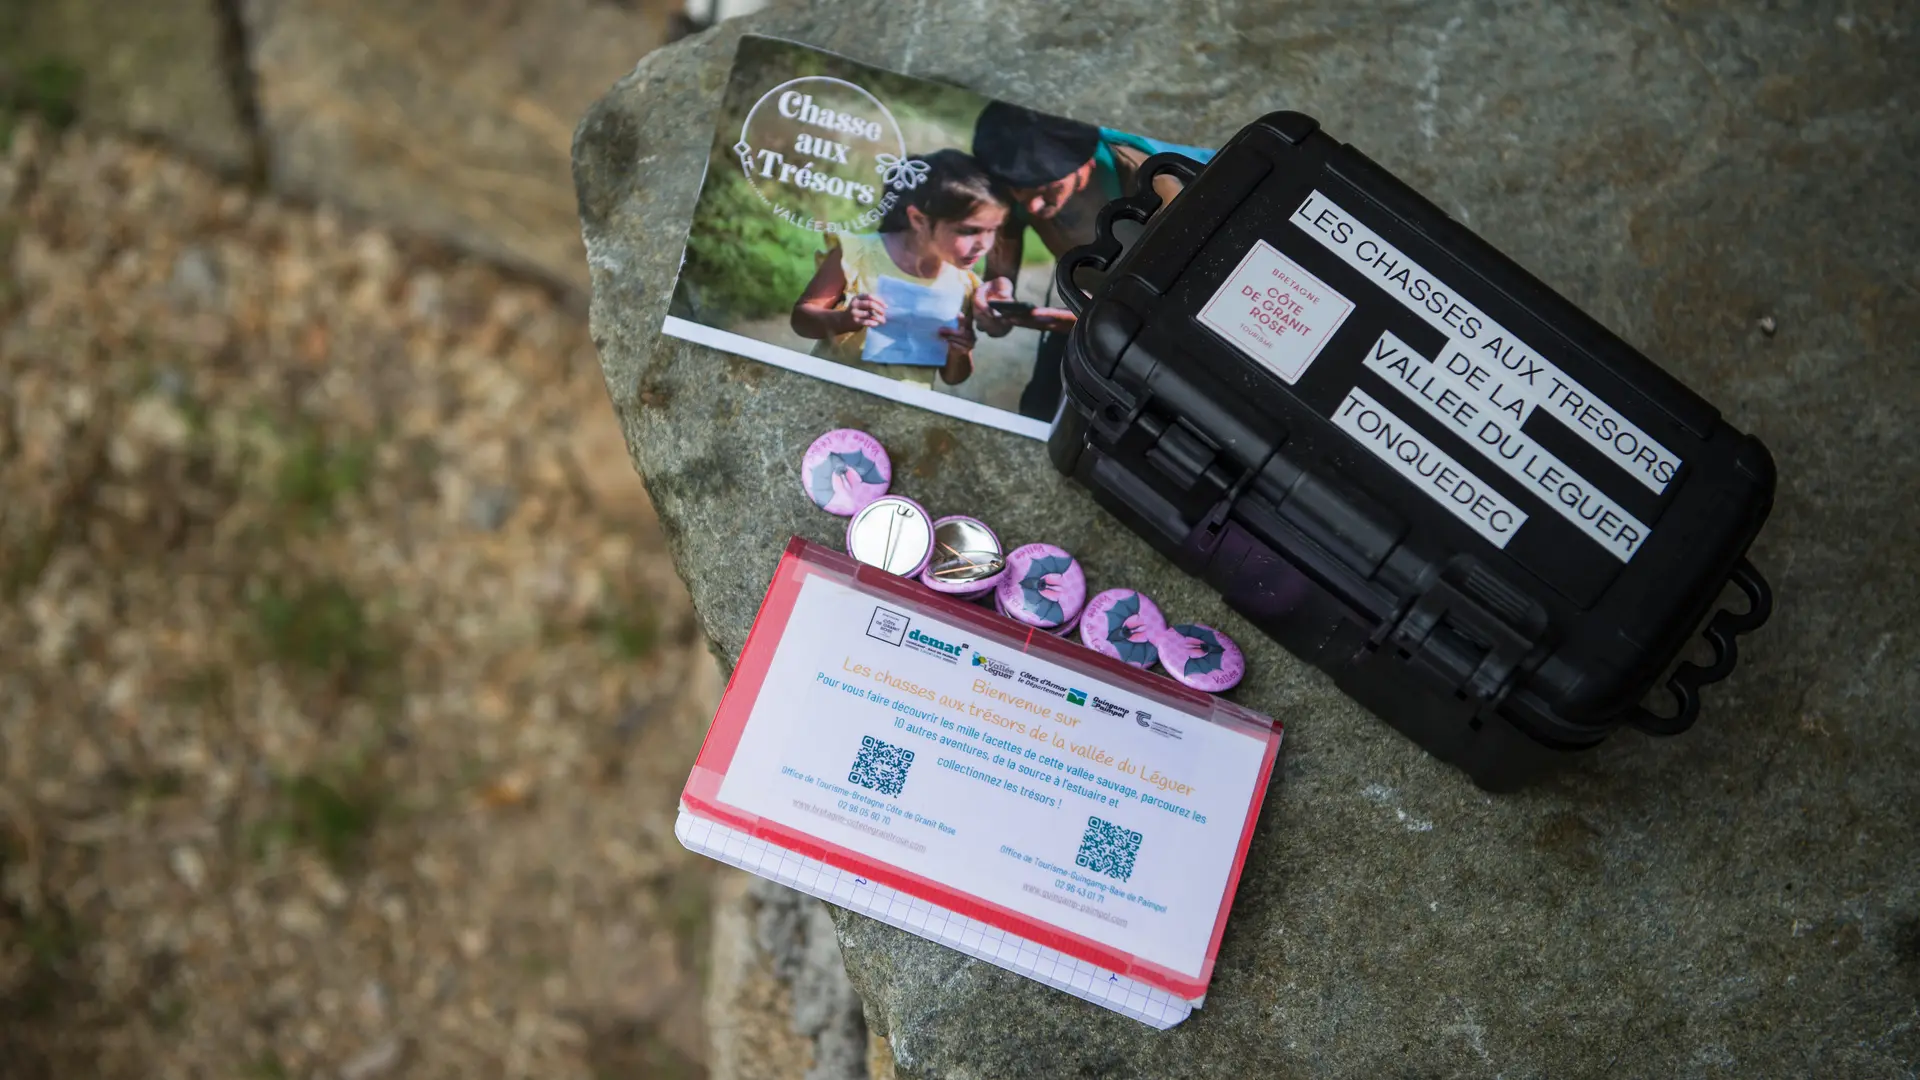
(1182, 453)
(1460, 643)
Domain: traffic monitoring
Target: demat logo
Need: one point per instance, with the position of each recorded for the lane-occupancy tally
(935, 643)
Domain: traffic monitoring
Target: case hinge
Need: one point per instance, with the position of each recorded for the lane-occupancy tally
(1460, 641)
(1182, 453)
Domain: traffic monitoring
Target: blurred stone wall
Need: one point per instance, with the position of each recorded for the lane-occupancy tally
(154, 67)
(447, 118)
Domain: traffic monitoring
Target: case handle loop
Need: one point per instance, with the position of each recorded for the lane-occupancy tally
(1722, 632)
(1106, 247)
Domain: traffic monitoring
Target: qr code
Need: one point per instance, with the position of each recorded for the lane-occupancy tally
(880, 766)
(1108, 849)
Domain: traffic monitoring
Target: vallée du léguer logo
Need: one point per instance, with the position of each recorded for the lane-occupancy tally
(825, 155)
(995, 668)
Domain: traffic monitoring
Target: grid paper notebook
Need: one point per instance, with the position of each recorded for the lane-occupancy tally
(1129, 997)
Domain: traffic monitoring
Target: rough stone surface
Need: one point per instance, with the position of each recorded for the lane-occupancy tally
(779, 1006)
(445, 117)
(1743, 900)
(156, 67)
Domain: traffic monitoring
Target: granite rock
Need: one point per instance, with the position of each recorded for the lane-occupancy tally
(779, 1006)
(1741, 900)
(445, 117)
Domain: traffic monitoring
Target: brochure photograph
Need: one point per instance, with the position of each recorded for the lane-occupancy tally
(895, 235)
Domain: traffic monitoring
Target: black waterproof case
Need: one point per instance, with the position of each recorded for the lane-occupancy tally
(1404, 458)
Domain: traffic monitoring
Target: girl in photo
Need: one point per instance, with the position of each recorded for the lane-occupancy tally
(932, 237)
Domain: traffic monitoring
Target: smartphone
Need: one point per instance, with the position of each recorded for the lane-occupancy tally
(1011, 309)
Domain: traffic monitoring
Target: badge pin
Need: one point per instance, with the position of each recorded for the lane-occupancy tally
(967, 557)
(893, 533)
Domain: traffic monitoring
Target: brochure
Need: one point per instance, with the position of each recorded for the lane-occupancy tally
(983, 784)
(893, 234)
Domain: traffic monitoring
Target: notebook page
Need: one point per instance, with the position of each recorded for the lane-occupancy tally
(1147, 1004)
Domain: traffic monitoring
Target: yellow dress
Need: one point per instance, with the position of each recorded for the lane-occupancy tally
(864, 260)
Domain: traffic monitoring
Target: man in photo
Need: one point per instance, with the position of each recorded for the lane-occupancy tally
(1059, 173)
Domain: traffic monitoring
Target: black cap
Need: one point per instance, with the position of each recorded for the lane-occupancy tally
(1025, 149)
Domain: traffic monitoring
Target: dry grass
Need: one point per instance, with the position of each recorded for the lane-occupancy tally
(345, 689)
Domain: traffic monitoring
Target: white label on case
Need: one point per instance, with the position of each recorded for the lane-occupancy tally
(1430, 469)
(1274, 311)
(1476, 342)
(1443, 393)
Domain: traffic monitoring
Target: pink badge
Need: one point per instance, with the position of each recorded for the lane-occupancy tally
(845, 470)
(1200, 657)
(1044, 587)
(1121, 623)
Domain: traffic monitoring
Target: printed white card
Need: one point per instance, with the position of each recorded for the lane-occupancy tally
(1005, 777)
(982, 784)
